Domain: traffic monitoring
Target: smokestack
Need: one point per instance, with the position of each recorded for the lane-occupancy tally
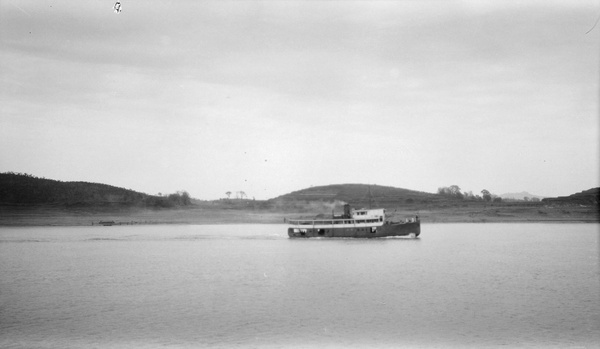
(347, 211)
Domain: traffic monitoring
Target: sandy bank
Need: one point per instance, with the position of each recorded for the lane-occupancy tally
(54, 216)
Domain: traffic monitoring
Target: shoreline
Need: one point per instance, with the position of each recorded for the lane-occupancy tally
(196, 215)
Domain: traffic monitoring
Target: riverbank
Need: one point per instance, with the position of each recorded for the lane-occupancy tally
(513, 213)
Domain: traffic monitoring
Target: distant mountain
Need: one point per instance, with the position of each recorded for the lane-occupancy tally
(520, 196)
(25, 189)
(586, 197)
(360, 195)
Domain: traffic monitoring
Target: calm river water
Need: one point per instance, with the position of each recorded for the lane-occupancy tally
(190, 286)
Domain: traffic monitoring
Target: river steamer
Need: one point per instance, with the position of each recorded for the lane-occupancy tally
(365, 223)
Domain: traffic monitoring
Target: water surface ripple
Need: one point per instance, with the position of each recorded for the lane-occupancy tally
(189, 286)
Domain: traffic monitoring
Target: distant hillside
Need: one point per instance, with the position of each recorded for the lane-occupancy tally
(360, 195)
(586, 197)
(520, 196)
(25, 189)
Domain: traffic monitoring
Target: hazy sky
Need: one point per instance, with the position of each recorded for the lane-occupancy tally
(270, 97)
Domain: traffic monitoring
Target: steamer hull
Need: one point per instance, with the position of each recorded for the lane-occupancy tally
(354, 224)
(384, 230)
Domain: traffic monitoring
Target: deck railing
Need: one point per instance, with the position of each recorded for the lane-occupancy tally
(333, 221)
(351, 221)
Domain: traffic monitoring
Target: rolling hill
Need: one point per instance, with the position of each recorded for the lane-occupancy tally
(586, 197)
(28, 200)
(360, 195)
(25, 189)
(520, 196)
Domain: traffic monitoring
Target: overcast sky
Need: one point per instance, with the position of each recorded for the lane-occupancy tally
(269, 97)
